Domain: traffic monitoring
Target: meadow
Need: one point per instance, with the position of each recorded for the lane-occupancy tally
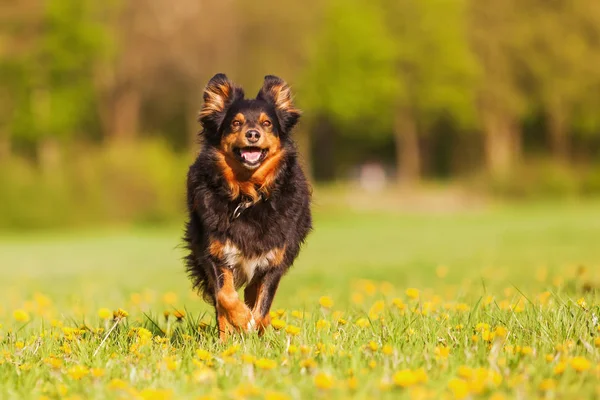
(494, 302)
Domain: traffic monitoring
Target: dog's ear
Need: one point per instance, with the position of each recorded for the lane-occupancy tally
(219, 95)
(276, 92)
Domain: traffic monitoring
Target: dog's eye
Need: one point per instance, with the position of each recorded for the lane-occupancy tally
(236, 123)
(266, 124)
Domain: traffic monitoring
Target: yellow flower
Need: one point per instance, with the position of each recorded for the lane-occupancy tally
(322, 324)
(373, 346)
(230, 350)
(179, 314)
(465, 372)
(459, 388)
(117, 384)
(78, 371)
(97, 372)
(404, 378)
(580, 364)
(278, 324)
(323, 381)
(387, 350)
(362, 323)
(292, 349)
(442, 352)
(120, 314)
(170, 298)
(292, 330)
(352, 383)
(53, 362)
(265, 363)
(582, 303)
(372, 364)
(326, 302)
(560, 368)
(156, 394)
(276, 396)
(19, 345)
(248, 358)
(501, 332)
(21, 315)
(309, 363)
(412, 293)
(104, 313)
(547, 385)
(204, 355)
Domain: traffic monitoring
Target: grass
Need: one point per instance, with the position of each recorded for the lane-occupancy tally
(500, 302)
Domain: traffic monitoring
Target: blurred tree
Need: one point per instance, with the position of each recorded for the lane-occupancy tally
(500, 101)
(52, 53)
(435, 73)
(560, 54)
(350, 77)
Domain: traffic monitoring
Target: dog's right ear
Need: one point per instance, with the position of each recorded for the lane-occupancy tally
(219, 95)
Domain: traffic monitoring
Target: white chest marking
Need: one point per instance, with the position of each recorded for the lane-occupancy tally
(244, 267)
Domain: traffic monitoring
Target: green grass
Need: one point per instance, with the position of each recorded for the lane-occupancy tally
(521, 268)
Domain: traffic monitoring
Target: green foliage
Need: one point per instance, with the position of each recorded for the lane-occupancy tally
(351, 73)
(142, 183)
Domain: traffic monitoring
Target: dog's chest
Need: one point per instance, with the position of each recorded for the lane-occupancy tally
(243, 266)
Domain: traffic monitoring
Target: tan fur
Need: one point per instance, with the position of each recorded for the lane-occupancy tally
(245, 182)
(214, 99)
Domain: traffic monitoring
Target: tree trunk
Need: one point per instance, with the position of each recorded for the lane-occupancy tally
(49, 154)
(323, 149)
(126, 114)
(408, 155)
(557, 129)
(502, 143)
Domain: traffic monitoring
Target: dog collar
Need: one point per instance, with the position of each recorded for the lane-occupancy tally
(244, 205)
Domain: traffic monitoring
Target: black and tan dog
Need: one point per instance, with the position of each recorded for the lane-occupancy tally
(248, 201)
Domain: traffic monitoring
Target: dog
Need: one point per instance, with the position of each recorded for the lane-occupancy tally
(248, 201)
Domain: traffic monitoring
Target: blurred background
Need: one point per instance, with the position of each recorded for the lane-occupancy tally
(451, 144)
(98, 100)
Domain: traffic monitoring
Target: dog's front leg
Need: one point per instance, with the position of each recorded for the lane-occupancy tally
(259, 295)
(230, 309)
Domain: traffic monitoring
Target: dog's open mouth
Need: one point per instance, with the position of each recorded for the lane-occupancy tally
(251, 156)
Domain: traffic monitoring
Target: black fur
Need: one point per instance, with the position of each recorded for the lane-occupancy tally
(281, 220)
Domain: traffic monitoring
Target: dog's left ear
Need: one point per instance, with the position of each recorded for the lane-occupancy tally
(276, 92)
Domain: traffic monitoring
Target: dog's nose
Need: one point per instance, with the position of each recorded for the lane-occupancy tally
(253, 135)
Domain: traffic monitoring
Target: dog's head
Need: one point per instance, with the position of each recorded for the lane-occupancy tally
(249, 131)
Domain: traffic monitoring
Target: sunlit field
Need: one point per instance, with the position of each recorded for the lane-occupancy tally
(494, 303)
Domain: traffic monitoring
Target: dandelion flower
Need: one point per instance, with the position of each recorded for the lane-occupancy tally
(21, 315)
(278, 324)
(404, 378)
(580, 364)
(265, 363)
(362, 323)
(292, 330)
(547, 385)
(459, 388)
(323, 381)
(412, 293)
(104, 313)
(326, 302)
(120, 314)
(78, 371)
(323, 324)
(97, 372)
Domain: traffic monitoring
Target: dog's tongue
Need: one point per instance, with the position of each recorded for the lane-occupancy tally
(250, 155)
